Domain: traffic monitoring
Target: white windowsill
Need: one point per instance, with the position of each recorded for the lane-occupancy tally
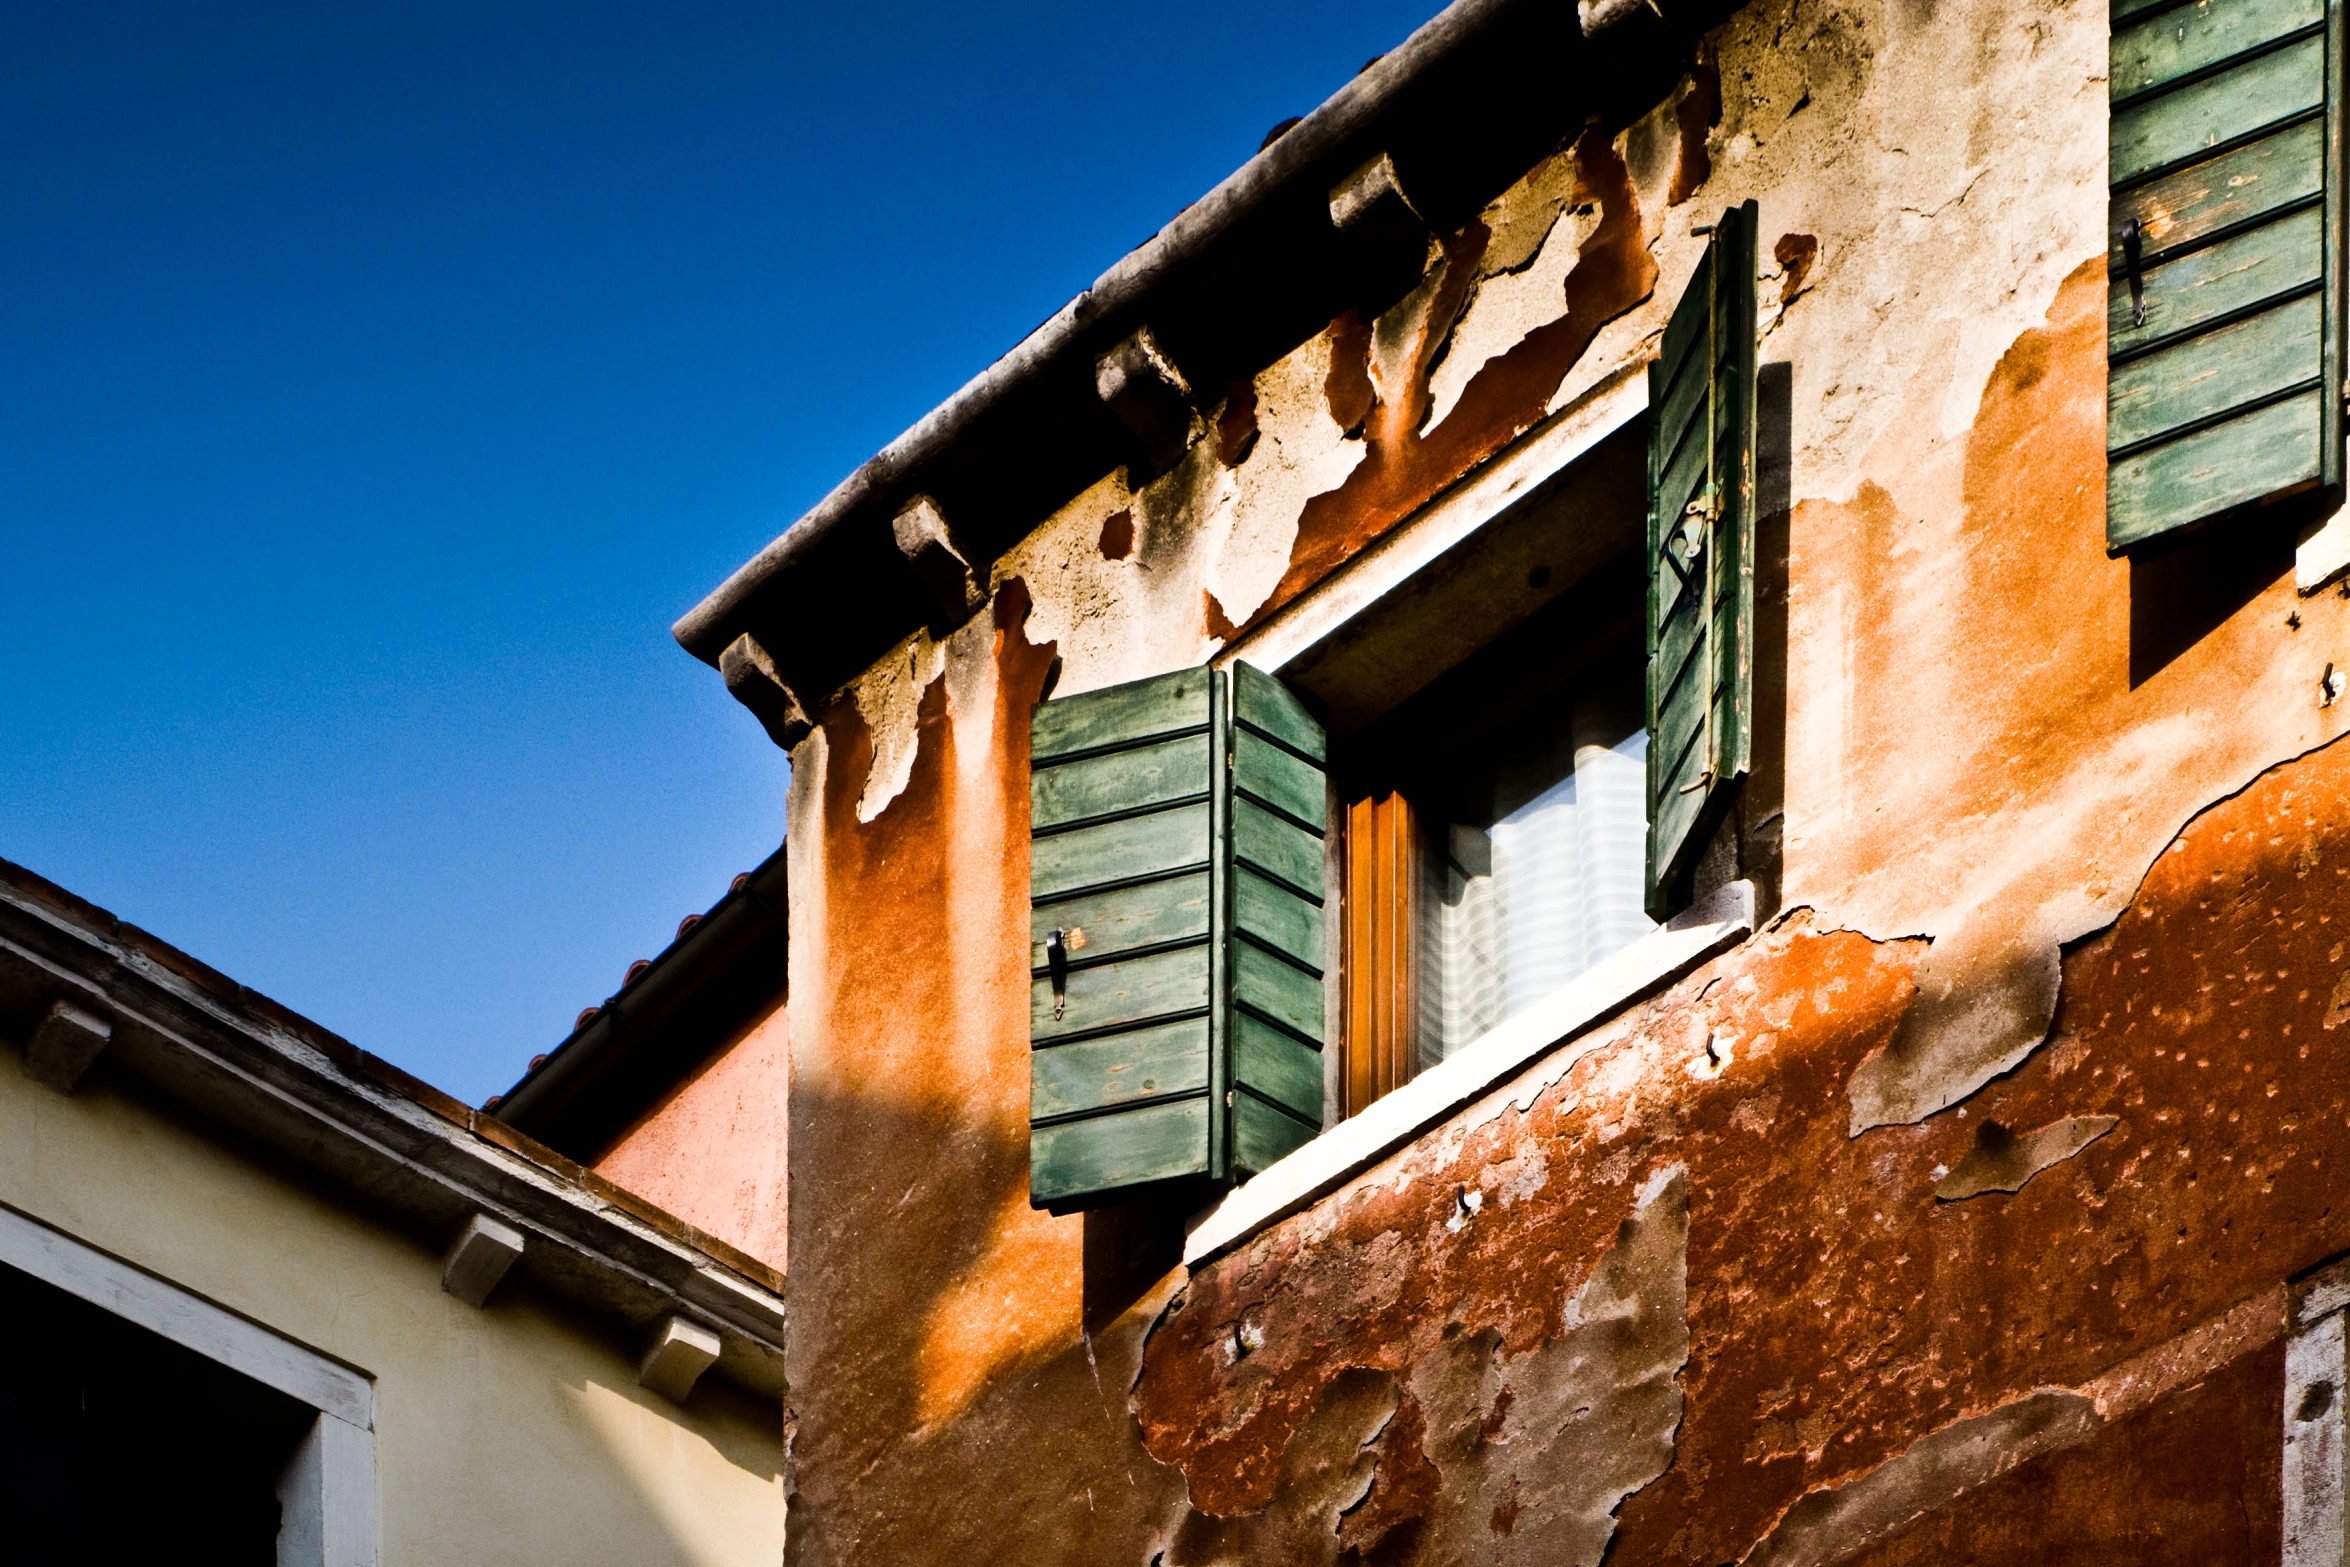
(1718, 922)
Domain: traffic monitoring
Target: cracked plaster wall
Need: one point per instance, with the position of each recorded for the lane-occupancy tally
(1978, 772)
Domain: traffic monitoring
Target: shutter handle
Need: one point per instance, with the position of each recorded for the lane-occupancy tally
(1056, 959)
(2132, 253)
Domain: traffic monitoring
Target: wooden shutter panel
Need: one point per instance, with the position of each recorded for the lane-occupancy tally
(1701, 555)
(1280, 815)
(2223, 312)
(1175, 861)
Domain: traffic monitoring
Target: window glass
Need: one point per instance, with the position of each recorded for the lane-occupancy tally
(1535, 844)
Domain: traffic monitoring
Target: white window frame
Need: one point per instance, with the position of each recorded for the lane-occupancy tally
(327, 1492)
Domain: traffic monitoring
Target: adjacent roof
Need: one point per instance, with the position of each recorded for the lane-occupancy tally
(1462, 108)
(401, 1149)
(667, 1018)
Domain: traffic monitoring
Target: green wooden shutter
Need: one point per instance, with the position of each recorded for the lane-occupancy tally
(1175, 857)
(2224, 385)
(1280, 813)
(1701, 555)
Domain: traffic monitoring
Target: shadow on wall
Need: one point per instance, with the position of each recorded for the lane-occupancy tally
(2182, 594)
(1762, 803)
(706, 1514)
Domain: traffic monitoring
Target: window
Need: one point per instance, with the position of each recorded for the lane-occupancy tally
(143, 1424)
(1259, 903)
(2224, 307)
(1495, 822)
(84, 1421)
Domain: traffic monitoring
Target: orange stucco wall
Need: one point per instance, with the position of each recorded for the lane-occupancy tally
(714, 1151)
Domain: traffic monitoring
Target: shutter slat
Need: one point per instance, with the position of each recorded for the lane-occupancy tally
(2206, 376)
(1119, 782)
(1278, 1067)
(1114, 995)
(2182, 482)
(1102, 925)
(1683, 403)
(2214, 403)
(1684, 329)
(1262, 1134)
(1272, 776)
(1098, 1074)
(1071, 1161)
(1277, 918)
(2255, 182)
(1274, 990)
(1115, 851)
(2208, 286)
(2124, 10)
(1264, 704)
(2163, 49)
(1264, 842)
(1679, 719)
(1701, 604)
(1119, 715)
(2240, 102)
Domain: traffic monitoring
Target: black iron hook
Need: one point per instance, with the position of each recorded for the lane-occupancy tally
(1056, 959)
(2132, 252)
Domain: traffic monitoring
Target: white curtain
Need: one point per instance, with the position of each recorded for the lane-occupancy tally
(1516, 910)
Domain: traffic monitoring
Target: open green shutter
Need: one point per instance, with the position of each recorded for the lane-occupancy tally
(1176, 892)
(1701, 555)
(2223, 312)
(1280, 813)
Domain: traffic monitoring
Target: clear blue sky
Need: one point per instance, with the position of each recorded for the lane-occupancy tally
(378, 381)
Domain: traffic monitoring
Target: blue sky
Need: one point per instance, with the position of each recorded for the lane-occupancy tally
(378, 382)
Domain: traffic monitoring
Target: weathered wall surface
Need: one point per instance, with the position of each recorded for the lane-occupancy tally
(515, 1434)
(713, 1151)
(1853, 1333)
(956, 1395)
(1985, 734)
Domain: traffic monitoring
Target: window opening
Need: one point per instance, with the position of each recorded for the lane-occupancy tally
(119, 1446)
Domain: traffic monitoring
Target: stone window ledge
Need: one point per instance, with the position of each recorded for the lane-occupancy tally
(1715, 924)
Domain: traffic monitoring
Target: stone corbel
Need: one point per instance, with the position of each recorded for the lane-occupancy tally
(1385, 237)
(1140, 384)
(751, 675)
(939, 560)
(479, 1257)
(679, 1351)
(65, 1045)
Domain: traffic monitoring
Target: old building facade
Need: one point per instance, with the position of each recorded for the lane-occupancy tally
(1603, 822)
(1934, 1160)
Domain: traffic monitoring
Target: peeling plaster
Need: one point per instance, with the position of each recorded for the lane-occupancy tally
(1298, 453)
(1537, 1451)
(887, 698)
(1522, 278)
(1829, 1526)
(2002, 1161)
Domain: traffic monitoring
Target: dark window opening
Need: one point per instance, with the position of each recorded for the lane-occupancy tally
(118, 1446)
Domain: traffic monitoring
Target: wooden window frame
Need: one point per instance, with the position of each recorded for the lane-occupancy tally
(1380, 906)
